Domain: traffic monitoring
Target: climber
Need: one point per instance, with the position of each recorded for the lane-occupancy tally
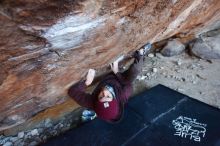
(110, 95)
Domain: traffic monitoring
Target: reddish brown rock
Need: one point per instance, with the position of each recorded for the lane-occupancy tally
(48, 45)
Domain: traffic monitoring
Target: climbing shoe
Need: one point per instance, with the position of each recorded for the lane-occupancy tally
(88, 115)
(145, 49)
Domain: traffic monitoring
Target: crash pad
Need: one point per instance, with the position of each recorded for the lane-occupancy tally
(155, 117)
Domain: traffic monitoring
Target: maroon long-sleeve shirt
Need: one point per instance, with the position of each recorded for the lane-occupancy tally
(121, 85)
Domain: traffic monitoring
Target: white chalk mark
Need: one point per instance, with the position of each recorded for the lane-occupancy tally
(186, 127)
(70, 31)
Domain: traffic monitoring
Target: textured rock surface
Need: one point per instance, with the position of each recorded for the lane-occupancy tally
(45, 46)
(207, 48)
(172, 48)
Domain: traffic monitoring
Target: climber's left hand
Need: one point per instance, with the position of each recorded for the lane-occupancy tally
(114, 67)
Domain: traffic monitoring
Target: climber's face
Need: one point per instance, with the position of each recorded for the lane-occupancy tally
(105, 96)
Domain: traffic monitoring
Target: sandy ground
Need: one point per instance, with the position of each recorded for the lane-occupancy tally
(197, 78)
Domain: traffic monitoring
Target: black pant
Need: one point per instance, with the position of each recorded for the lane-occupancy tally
(133, 71)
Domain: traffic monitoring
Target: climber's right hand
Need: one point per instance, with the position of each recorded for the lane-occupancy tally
(90, 77)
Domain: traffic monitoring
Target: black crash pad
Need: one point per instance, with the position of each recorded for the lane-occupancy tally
(157, 117)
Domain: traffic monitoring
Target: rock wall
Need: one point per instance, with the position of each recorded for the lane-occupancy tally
(48, 45)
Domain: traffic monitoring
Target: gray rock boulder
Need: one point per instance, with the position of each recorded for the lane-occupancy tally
(173, 48)
(8, 144)
(34, 132)
(207, 47)
(33, 143)
(21, 134)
